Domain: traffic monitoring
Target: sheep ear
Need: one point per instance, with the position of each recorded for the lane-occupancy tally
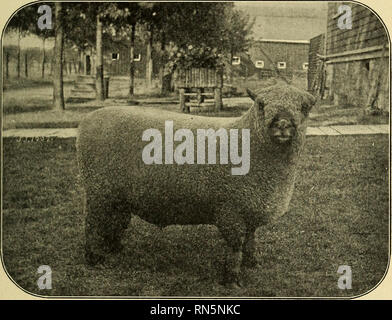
(251, 94)
(307, 103)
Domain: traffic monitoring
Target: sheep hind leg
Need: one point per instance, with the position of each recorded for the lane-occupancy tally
(116, 223)
(106, 222)
(94, 244)
(233, 268)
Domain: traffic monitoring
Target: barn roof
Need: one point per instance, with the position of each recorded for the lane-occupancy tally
(284, 41)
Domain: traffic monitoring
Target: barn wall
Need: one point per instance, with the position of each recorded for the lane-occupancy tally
(316, 47)
(355, 74)
(352, 82)
(367, 30)
(122, 65)
(294, 54)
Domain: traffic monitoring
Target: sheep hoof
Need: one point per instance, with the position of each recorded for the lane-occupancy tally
(249, 262)
(234, 285)
(232, 281)
(93, 259)
(116, 248)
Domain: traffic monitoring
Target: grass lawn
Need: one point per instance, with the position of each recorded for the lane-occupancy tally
(30, 105)
(324, 114)
(338, 216)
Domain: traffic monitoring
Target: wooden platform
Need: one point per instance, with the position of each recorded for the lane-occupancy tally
(198, 84)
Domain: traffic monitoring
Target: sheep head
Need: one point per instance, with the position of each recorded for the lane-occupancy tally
(280, 111)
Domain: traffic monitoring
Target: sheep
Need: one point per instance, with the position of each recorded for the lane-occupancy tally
(117, 183)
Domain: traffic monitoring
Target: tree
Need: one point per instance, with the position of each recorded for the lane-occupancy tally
(206, 26)
(7, 60)
(80, 15)
(58, 89)
(44, 34)
(236, 34)
(125, 17)
(47, 31)
(99, 62)
(152, 20)
(95, 15)
(170, 24)
(101, 13)
(176, 24)
(25, 22)
(237, 30)
(21, 24)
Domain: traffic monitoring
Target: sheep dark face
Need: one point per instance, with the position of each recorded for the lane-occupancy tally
(281, 111)
(282, 128)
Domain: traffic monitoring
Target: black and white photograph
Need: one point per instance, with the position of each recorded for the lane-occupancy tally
(188, 149)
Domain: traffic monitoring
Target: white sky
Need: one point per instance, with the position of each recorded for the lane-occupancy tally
(274, 20)
(27, 42)
(282, 20)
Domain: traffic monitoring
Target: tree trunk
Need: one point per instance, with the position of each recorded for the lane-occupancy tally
(65, 71)
(132, 63)
(58, 89)
(230, 71)
(80, 61)
(7, 62)
(43, 58)
(165, 79)
(149, 58)
(18, 55)
(99, 62)
(166, 83)
(26, 66)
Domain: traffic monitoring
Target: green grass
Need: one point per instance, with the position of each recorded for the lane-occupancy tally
(324, 114)
(15, 83)
(338, 216)
(28, 104)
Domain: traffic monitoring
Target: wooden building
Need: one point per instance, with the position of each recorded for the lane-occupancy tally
(288, 56)
(116, 56)
(316, 72)
(355, 60)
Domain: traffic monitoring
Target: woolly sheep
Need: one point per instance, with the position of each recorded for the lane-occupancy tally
(118, 183)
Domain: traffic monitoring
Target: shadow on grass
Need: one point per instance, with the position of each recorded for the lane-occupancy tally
(209, 111)
(14, 109)
(78, 100)
(46, 125)
(325, 113)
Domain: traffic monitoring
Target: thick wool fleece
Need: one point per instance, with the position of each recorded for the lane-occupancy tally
(118, 183)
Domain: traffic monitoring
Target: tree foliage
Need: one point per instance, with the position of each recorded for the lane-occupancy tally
(180, 33)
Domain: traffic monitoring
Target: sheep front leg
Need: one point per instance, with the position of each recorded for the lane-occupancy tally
(233, 266)
(249, 259)
(232, 230)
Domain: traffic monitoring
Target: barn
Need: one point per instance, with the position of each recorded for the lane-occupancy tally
(116, 56)
(351, 65)
(287, 56)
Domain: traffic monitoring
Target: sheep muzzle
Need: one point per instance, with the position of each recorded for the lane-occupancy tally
(282, 129)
